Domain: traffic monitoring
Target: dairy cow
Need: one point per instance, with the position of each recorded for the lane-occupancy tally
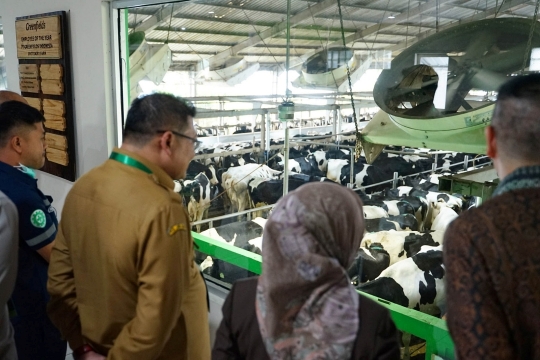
(196, 194)
(401, 244)
(416, 282)
(195, 168)
(368, 264)
(364, 174)
(245, 235)
(392, 222)
(305, 165)
(235, 182)
(322, 157)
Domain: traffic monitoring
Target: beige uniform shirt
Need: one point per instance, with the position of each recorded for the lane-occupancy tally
(122, 276)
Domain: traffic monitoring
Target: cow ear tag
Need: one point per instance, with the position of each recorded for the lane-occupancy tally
(175, 228)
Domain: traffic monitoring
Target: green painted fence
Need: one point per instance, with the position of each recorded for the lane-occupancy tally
(429, 328)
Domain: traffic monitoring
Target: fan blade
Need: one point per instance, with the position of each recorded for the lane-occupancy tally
(454, 86)
(478, 46)
(487, 80)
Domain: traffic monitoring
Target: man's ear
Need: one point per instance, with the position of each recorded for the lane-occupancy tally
(491, 142)
(15, 143)
(165, 142)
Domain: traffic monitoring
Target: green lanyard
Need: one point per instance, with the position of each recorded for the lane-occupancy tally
(129, 161)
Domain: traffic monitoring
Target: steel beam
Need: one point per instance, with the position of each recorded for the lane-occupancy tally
(506, 6)
(274, 30)
(405, 16)
(158, 17)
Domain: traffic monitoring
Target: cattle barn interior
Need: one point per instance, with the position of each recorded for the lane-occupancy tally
(388, 98)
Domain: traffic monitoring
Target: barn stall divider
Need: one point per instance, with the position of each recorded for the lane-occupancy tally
(439, 344)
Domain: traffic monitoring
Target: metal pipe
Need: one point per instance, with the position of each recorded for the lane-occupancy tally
(351, 169)
(286, 164)
(268, 125)
(334, 123)
(339, 124)
(466, 162)
(263, 134)
(415, 174)
(394, 182)
(318, 143)
(267, 207)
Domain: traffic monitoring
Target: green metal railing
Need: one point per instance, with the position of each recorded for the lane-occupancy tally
(429, 328)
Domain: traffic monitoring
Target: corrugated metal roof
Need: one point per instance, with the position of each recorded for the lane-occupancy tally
(202, 29)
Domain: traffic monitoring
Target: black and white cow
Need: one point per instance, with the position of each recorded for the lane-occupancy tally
(195, 168)
(245, 235)
(238, 160)
(305, 165)
(401, 244)
(322, 157)
(364, 174)
(368, 264)
(196, 194)
(264, 191)
(416, 282)
(235, 182)
(392, 222)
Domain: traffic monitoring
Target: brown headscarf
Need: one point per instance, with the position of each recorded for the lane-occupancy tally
(306, 306)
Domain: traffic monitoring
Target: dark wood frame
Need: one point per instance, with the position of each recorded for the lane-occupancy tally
(68, 172)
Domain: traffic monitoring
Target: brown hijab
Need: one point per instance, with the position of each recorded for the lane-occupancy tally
(306, 306)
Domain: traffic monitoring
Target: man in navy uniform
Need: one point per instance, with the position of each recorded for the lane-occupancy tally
(22, 149)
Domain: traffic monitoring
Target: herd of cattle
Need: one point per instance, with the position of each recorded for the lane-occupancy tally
(400, 257)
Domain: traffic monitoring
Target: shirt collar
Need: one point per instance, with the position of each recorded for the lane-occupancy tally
(158, 174)
(527, 177)
(16, 174)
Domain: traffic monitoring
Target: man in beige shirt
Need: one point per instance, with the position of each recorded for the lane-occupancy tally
(122, 278)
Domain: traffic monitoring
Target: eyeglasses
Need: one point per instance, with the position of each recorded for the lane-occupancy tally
(196, 143)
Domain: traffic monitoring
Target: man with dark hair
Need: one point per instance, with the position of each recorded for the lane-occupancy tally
(122, 278)
(22, 149)
(492, 253)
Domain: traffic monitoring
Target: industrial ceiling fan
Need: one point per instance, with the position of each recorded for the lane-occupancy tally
(480, 56)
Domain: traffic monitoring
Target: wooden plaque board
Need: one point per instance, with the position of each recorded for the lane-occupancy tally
(39, 37)
(45, 76)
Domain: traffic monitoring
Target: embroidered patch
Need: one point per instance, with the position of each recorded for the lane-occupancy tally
(38, 219)
(176, 228)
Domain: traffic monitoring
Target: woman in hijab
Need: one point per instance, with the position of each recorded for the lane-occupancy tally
(303, 305)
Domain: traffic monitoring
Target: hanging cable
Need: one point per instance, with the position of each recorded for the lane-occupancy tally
(358, 147)
(531, 33)
(498, 7)
(170, 21)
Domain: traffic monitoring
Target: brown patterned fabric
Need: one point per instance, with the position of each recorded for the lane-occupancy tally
(492, 257)
(306, 305)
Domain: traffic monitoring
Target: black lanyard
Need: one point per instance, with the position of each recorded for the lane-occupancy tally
(129, 161)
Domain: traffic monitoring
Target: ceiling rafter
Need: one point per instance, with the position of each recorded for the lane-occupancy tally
(165, 12)
(508, 5)
(277, 46)
(248, 38)
(274, 30)
(416, 11)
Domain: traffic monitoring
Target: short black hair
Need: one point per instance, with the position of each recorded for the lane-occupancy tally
(155, 112)
(15, 115)
(516, 118)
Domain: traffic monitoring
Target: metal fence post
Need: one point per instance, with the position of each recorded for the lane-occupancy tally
(394, 183)
(267, 138)
(351, 168)
(434, 165)
(466, 162)
(335, 121)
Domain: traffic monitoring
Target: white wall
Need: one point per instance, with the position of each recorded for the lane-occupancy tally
(89, 34)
